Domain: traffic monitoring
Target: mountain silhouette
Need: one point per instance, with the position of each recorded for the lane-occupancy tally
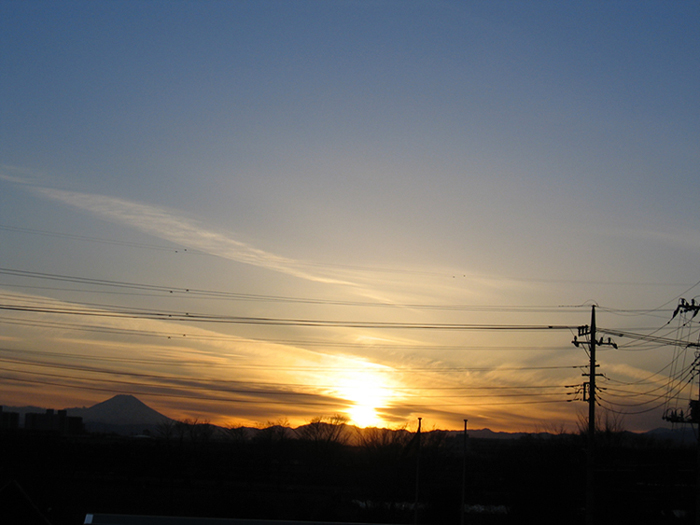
(127, 415)
(120, 410)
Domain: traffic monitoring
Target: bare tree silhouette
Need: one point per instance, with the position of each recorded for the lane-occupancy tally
(383, 439)
(274, 431)
(326, 429)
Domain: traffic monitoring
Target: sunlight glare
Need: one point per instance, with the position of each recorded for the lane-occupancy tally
(367, 391)
(364, 416)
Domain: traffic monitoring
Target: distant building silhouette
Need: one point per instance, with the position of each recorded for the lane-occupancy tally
(8, 420)
(54, 422)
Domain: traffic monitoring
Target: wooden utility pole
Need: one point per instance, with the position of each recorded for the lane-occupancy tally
(590, 460)
(686, 307)
(589, 388)
(415, 510)
(697, 409)
(464, 474)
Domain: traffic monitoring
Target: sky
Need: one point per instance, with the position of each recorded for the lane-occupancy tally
(264, 211)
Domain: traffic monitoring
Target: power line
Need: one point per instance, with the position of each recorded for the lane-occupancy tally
(118, 312)
(292, 342)
(211, 294)
(666, 341)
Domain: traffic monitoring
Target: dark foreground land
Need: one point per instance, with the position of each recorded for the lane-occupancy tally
(528, 480)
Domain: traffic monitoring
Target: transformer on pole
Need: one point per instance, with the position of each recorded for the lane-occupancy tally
(589, 335)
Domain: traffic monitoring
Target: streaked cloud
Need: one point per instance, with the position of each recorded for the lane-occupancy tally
(379, 285)
(17, 175)
(436, 180)
(167, 225)
(201, 368)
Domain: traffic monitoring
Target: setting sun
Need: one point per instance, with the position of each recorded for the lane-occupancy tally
(367, 391)
(364, 416)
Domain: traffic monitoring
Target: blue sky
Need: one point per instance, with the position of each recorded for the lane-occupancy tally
(365, 160)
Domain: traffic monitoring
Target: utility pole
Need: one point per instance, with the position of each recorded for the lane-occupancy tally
(590, 459)
(464, 474)
(695, 414)
(415, 510)
(590, 331)
(693, 417)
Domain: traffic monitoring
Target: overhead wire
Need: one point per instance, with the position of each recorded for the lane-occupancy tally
(680, 374)
(115, 311)
(213, 294)
(118, 312)
(184, 250)
(296, 342)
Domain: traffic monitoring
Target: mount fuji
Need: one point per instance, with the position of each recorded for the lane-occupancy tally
(123, 414)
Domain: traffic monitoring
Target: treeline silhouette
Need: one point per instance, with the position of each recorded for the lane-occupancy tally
(328, 471)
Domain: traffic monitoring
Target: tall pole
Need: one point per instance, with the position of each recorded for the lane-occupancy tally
(590, 389)
(464, 474)
(687, 307)
(697, 416)
(415, 510)
(590, 481)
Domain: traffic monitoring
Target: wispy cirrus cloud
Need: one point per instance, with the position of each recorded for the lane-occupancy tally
(167, 225)
(377, 284)
(17, 175)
